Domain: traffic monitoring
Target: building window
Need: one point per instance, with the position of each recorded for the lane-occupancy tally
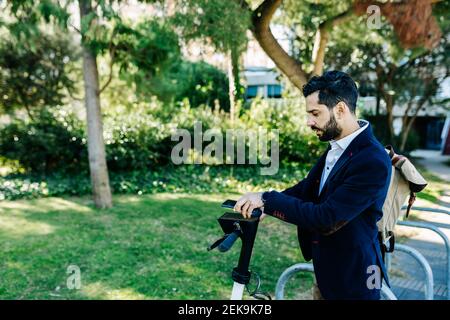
(252, 91)
(274, 91)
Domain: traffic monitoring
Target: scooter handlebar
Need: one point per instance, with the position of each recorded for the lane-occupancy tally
(256, 213)
(229, 241)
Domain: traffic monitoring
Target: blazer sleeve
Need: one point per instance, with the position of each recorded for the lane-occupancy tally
(296, 190)
(362, 185)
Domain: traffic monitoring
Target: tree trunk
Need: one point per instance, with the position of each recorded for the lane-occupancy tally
(96, 145)
(261, 30)
(322, 37)
(320, 45)
(236, 74)
(231, 87)
(409, 123)
(379, 89)
(404, 136)
(389, 99)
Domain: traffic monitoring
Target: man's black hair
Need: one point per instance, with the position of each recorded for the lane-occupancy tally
(333, 87)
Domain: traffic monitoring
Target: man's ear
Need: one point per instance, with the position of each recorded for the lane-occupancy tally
(340, 109)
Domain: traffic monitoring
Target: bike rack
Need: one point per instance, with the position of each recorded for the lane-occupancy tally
(429, 226)
(308, 267)
(429, 282)
(428, 209)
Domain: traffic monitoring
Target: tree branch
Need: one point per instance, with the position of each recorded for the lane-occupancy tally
(75, 28)
(409, 106)
(73, 96)
(261, 30)
(112, 55)
(322, 36)
(111, 65)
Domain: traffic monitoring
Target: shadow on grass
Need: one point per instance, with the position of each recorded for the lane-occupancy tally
(146, 247)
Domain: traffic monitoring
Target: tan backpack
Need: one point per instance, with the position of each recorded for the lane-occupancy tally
(405, 181)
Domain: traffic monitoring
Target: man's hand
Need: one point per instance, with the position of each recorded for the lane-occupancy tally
(248, 202)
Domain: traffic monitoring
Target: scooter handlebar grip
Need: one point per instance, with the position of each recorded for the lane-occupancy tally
(229, 241)
(256, 213)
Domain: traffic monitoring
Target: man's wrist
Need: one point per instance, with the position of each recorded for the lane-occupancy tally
(264, 197)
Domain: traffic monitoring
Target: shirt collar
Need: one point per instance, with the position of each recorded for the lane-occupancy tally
(345, 142)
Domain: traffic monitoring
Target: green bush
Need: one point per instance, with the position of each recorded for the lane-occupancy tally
(202, 83)
(298, 144)
(54, 140)
(138, 146)
(198, 82)
(140, 139)
(184, 178)
(135, 141)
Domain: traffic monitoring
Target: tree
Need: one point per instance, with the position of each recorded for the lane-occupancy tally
(102, 32)
(411, 77)
(222, 24)
(316, 20)
(96, 145)
(34, 71)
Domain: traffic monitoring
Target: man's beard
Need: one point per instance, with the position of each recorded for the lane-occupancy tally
(331, 130)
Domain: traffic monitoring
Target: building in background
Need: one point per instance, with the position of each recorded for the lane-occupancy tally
(429, 124)
(260, 75)
(263, 82)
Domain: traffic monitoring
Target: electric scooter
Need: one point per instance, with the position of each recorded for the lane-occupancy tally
(235, 226)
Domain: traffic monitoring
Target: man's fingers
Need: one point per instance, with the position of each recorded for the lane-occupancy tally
(245, 208)
(245, 205)
(250, 210)
(241, 201)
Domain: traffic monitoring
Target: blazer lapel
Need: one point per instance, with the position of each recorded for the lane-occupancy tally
(344, 158)
(361, 140)
(316, 173)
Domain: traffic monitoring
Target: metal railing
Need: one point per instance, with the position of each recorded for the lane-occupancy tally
(429, 281)
(308, 267)
(429, 226)
(434, 210)
(385, 290)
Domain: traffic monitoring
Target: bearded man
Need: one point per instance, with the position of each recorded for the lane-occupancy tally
(336, 207)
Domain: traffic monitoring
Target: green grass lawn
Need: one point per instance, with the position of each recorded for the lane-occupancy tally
(146, 247)
(435, 188)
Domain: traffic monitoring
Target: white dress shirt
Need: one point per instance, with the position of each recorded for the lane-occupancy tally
(337, 149)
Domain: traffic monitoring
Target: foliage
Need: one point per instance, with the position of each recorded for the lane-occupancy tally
(297, 142)
(35, 72)
(135, 141)
(140, 139)
(200, 83)
(144, 54)
(303, 18)
(170, 178)
(223, 24)
(52, 141)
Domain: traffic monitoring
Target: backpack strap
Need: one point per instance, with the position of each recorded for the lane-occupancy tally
(391, 151)
(412, 198)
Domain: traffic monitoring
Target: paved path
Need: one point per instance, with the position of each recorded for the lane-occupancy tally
(406, 274)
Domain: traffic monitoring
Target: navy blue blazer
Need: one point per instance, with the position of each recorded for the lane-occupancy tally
(337, 229)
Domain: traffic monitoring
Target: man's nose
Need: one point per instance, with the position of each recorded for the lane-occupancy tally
(310, 122)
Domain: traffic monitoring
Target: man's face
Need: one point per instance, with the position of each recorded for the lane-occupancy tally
(321, 119)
